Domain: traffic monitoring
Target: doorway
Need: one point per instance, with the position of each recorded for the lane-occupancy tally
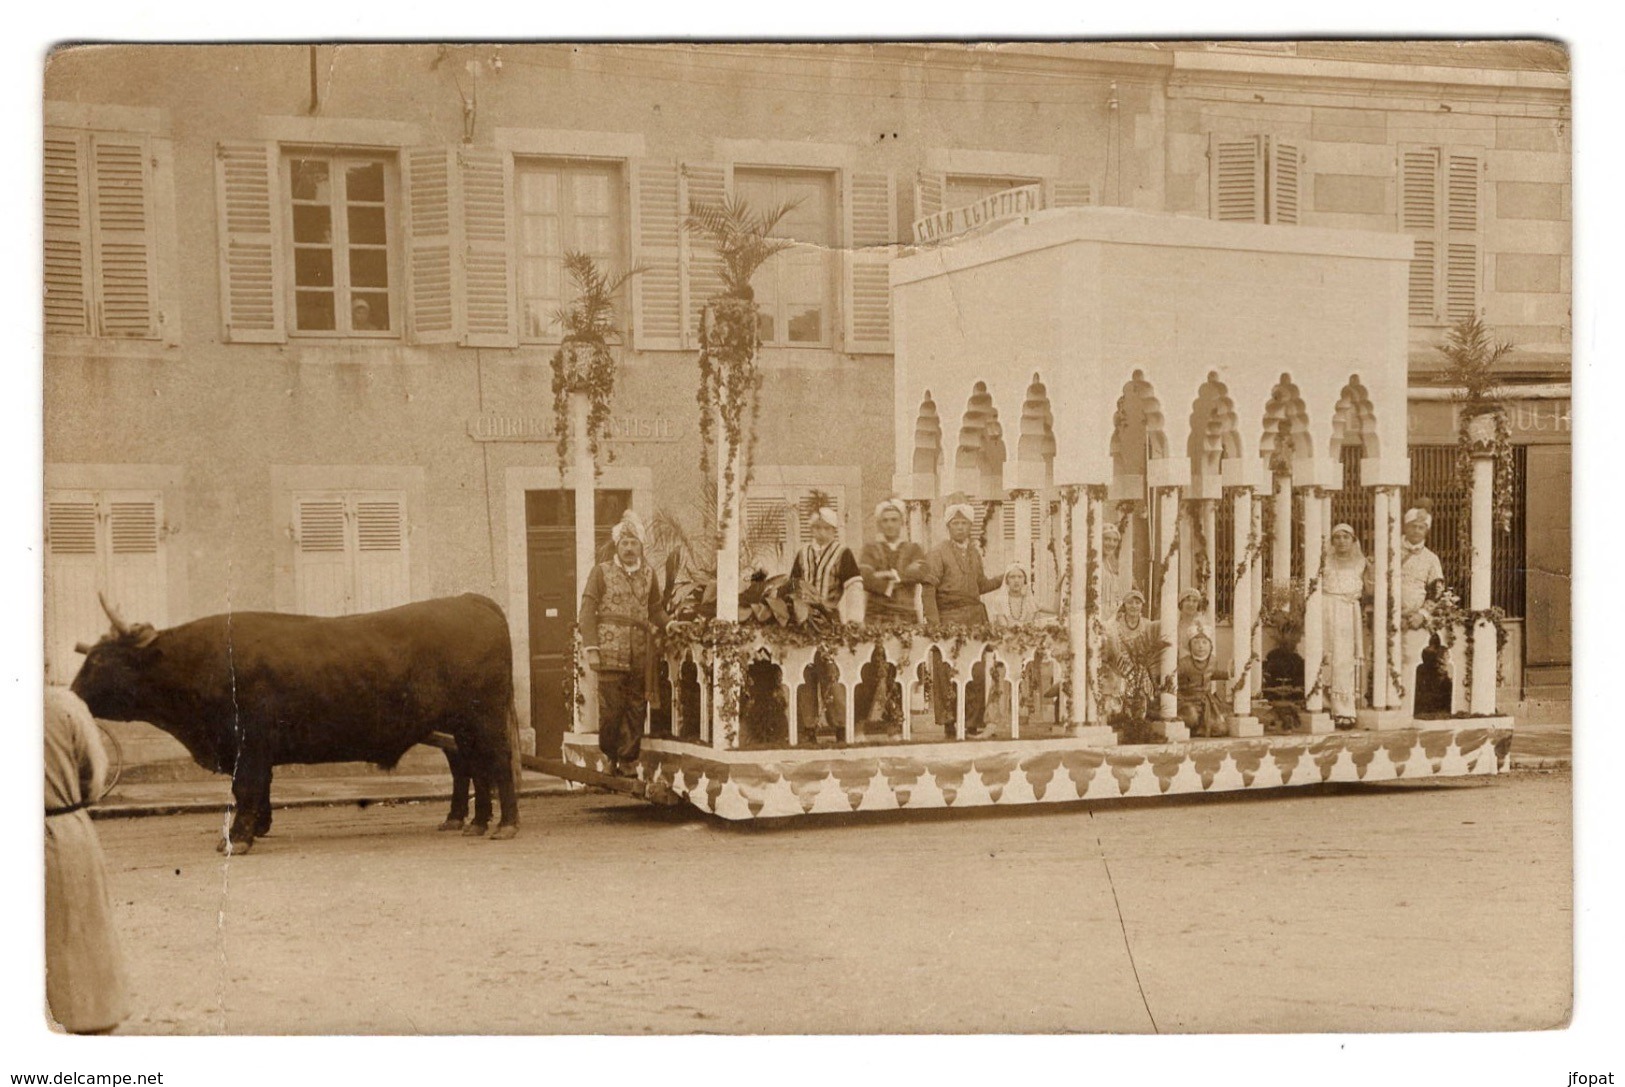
(550, 563)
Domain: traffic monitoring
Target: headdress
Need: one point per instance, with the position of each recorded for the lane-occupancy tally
(1417, 514)
(827, 516)
(960, 509)
(628, 523)
(892, 504)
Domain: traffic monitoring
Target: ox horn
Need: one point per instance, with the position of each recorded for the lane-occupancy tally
(119, 625)
(81, 647)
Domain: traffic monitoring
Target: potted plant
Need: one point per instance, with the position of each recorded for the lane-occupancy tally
(583, 363)
(743, 240)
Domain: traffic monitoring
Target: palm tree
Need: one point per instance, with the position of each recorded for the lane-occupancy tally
(1470, 356)
(742, 237)
(590, 315)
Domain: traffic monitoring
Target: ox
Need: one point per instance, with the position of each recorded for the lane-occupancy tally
(246, 691)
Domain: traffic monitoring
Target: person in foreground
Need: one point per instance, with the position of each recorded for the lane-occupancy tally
(620, 615)
(85, 987)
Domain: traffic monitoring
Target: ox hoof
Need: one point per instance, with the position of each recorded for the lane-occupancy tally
(474, 830)
(231, 848)
(452, 824)
(502, 834)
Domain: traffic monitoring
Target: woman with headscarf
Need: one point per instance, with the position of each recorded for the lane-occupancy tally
(1128, 652)
(619, 616)
(84, 964)
(1013, 605)
(1192, 614)
(1199, 707)
(1346, 580)
(1111, 574)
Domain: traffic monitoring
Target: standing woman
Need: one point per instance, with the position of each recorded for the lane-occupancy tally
(1346, 581)
(84, 964)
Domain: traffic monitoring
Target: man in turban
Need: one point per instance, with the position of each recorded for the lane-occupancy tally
(825, 576)
(620, 614)
(1418, 568)
(955, 582)
(893, 571)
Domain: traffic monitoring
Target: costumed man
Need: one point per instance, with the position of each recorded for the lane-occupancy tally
(84, 963)
(893, 570)
(825, 577)
(1418, 568)
(619, 617)
(955, 582)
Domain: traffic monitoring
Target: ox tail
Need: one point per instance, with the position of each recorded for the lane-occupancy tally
(515, 751)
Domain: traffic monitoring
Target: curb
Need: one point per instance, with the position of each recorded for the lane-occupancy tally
(1535, 762)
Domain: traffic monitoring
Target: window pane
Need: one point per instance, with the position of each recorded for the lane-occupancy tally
(369, 268)
(369, 311)
(538, 192)
(310, 180)
(366, 226)
(764, 326)
(590, 194)
(364, 183)
(313, 267)
(315, 311)
(806, 324)
(312, 223)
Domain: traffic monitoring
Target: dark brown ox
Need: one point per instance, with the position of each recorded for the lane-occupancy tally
(247, 691)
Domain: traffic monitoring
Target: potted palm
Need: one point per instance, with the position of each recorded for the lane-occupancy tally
(1470, 356)
(583, 363)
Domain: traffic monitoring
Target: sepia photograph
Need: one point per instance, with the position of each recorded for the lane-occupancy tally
(804, 538)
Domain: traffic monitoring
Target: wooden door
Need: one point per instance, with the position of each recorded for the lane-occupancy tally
(552, 601)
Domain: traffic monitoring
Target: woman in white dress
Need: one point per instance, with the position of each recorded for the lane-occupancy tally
(1013, 605)
(1346, 581)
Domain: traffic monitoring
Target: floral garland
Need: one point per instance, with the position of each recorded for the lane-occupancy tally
(729, 382)
(1500, 448)
(1444, 615)
(597, 380)
(1258, 538)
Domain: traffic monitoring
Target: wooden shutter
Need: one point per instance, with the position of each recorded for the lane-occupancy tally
(869, 203)
(928, 193)
(488, 266)
(135, 560)
(252, 303)
(1285, 181)
(430, 271)
(1463, 240)
(701, 183)
(657, 292)
(1419, 216)
(321, 560)
(67, 234)
(72, 614)
(1064, 193)
(1236, 178)
(767, 528)
(121, 234)
(381, 572)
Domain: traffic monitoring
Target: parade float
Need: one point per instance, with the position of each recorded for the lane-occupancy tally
(1186, 386)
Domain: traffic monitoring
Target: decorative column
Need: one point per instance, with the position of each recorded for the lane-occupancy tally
(1023, 500)
(729, 505)
(1314, 623)
(918, 508)
(1168, 506)
(1382, 503)
(1281, 559)
(1242, 721)
(1085, 510)
(1256, 681)
(586, 543)
(1404, 693)
(1210, 519)
(1485, 652)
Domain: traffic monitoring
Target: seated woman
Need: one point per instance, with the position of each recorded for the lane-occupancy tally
(1199, 704)
(1013, 605)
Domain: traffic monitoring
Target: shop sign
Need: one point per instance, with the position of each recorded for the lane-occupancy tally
(1008, 204)
(539, 428)
(1529, 422)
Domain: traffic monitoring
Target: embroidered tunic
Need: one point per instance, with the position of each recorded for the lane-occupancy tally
(826, 571)
(619, 607)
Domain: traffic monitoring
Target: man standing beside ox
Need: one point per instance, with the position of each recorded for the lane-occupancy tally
(955, 583)
(619, 617)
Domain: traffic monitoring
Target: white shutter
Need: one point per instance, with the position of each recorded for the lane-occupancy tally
(1285, 182)
(250, 233)
(869, 203)
(1419, 216)
(430, 271)
(381, 572)
(657, 291)
(121, 235)
(321, 560)
(135, 559)
(1236, 178)
(767, 528)
(72, 613)
(1064, 193)
(702, 184)
(1463, 240)
(490, 312)
(928, 193)
(67, 231)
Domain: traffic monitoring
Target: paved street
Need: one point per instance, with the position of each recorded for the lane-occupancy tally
(1405, 907)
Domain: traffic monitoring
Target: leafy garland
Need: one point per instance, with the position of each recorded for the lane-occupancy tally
(1201, 561)
(597, 380)
(1258, 538)
(730, 380)
(1396, 644)
(1444, 615)
(1500, 448)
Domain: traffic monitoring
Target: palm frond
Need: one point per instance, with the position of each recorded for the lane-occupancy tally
(741, 236)
(1470, 357)
(591, 313)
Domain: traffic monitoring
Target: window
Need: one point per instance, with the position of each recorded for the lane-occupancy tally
(776, 517)
(563, 206)
(1254, 179)
(1439, 207)
(793, 289)
(341, 232)
(99, 263)
(109, 542)
(349, 552)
